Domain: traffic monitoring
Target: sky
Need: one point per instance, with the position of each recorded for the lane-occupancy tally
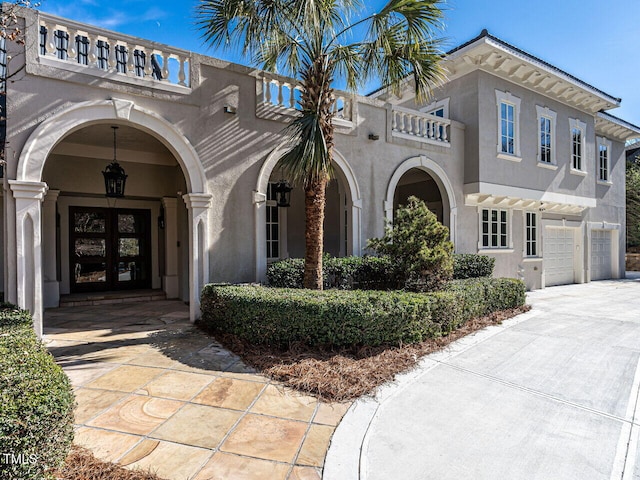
(597, 41)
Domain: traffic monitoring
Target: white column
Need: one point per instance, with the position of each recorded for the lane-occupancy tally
(356, 229)
(28, 197)
(49, 264)
(170, 279)
(198, 207)
(260, 207)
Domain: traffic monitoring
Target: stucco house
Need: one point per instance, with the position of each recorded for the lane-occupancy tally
(518, 158)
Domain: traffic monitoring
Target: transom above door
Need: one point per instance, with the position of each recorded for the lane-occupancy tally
(110, 249)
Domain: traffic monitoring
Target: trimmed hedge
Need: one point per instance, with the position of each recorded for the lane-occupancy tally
(472, 265)
(36, 401)
(481, 296)
(368, 272)
(345, 273)
(339, 318)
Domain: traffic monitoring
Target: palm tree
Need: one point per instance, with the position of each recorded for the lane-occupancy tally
(313, 40)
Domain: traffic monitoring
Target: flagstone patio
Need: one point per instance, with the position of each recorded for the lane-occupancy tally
(154, 392)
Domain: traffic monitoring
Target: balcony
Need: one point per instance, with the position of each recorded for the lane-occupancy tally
(279, 99)
(91, 50)
(420, 127)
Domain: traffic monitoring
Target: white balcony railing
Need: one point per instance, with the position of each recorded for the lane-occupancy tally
(82, 48)
(418, 126)
(281, 95)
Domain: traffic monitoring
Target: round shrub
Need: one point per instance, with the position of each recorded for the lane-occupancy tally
(419, 247)
(36, 401)
(472, 265)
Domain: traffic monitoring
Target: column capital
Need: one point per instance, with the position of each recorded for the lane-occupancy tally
(28, 190)
(51, 196)
(197, 200)
(170, 202)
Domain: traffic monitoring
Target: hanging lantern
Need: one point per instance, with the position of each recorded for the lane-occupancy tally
(282, 189)
(114, 175)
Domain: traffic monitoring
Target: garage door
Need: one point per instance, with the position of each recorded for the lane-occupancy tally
(559, 251)
(601, 254)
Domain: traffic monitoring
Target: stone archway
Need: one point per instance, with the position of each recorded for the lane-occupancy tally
(441, 180)
(259, 197)
(29, 191)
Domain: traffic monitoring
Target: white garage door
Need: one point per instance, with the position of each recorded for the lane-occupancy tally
(601, 254)
(559, 251)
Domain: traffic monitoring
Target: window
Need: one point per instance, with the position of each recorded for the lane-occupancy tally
(576, 148)
(439, 108)
(604, 150)
(577, 131)
(545, 139)
(43, 40)
(61, 40)
(508, 125)
(507, 128)
(273, 224)
(82, 47)
(531, 234)
(546, 135)
(103, 55)
(495, 228)
(121, 59)
(139, 60)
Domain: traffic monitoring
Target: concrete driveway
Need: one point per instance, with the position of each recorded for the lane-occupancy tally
(551, 394)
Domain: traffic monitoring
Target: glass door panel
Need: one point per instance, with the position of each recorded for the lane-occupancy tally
(109, 249)
(132, 248)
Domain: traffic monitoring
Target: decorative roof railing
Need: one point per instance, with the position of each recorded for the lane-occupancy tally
(96, 51)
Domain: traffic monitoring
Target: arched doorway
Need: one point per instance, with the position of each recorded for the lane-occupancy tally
(280, 231)
(418, 183)
(67, 149)
(425, 179)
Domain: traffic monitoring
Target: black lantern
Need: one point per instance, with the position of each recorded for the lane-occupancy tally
(114, 176)
(282, 189)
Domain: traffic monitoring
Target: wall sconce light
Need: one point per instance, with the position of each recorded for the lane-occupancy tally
(114, 175)
(282, 189)
(374, 137)
(230, 109)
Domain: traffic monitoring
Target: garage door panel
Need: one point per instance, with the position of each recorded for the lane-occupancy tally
(559, 255)
(601, 258)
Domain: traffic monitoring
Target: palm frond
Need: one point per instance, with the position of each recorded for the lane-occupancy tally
(348, 62)
(308, 158)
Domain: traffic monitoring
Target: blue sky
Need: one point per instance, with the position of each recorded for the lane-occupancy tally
(597, 41)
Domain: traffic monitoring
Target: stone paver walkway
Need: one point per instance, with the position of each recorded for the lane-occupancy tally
(153, 392)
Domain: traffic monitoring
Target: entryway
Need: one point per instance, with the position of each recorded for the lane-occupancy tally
(110, 249)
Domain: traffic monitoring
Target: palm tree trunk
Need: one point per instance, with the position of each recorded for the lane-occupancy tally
(317, 97)
(314, 199)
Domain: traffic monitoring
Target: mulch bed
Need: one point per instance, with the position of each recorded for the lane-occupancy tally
(82, 465)
(337, 376)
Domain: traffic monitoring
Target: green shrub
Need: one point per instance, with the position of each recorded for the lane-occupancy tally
(36, 401)
(346, 273)
(335, 318)
(345, 318)
(472, 265)
(418, 246)
(287, 273)
(481, 296)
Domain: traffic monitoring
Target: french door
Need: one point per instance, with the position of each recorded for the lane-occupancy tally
(110, 249)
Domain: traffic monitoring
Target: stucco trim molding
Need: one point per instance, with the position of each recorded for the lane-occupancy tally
(439, 176)
(50, 132)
